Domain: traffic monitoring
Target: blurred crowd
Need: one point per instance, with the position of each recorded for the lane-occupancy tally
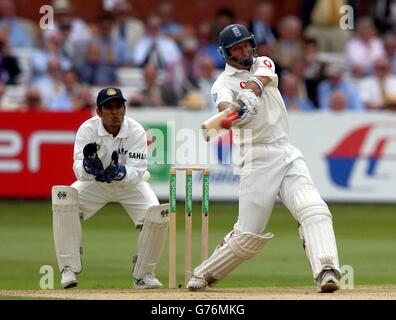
(160, 62)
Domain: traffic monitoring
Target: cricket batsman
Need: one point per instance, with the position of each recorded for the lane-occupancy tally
(248, 99)
(110, 163)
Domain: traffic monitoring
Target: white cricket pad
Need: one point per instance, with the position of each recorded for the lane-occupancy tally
(151, 240)
(234, 250)
(67, 227)
(316, 229)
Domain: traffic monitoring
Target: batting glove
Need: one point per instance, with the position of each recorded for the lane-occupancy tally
(249, 107)
(249, 99)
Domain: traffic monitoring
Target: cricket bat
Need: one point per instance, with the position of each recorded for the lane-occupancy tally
(220, 121)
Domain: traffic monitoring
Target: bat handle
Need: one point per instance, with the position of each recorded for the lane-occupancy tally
(235, 106)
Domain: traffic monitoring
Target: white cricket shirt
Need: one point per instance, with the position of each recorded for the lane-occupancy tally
(131, 144)
(270, 123)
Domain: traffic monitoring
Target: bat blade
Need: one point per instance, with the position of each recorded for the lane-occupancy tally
(212, 127)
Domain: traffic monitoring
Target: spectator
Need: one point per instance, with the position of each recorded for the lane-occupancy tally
(169, 27)
(223, 17)
(69, 98)
(390, 49)
(298, 69)
(9, 66)
(384, 14)
(51, 85)
(155, 48)
(108, 5)
(161, 52)
(206, 46)
(314, 69)
(154, 93)
(379, 90)
(113, 49)
(32, 100)
(71, 81)
(18, 31)
(83, 98)
(77, 32)
(291, 97)
(289, 46)
(263, 49)
(189, 50)
(338, 101)
(199, 94)
(363, 49)
(206, 78)
(321, 21)
(62, 100)
(261, 26)
(126, 27)
(72, 50)
(335, 82)
(52, 50)
(94, 71)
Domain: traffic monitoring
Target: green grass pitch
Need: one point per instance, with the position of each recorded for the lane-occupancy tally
(366, 239)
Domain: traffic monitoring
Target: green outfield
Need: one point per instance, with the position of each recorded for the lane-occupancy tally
(366, 236)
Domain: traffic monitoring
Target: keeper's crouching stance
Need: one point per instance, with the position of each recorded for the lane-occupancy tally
(120, 143)
(271, 167)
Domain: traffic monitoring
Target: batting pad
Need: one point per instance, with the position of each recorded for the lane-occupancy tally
(235, 250)
(66, 227)
(151, 240)
(316, 229)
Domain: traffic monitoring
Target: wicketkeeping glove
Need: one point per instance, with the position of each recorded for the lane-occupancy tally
(91, 161)
(115, 171)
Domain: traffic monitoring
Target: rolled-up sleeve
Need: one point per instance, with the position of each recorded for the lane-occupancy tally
(266, 68)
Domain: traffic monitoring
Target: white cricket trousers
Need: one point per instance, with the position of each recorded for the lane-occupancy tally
(135, 199)
(270, 170)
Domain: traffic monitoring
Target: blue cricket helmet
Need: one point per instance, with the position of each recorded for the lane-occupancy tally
(232, 35)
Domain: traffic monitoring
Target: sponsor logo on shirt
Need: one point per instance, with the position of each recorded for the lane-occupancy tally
(133, 155)
(137, 155)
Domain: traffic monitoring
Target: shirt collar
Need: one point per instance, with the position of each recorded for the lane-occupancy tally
(230, 70)
(122, 134)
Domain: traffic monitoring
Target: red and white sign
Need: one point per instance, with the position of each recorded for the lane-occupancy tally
(36, 151)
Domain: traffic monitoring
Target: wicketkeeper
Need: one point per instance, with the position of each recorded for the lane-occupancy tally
(110, 163)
